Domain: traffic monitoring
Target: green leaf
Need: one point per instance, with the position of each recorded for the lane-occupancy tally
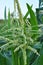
(39, 60)
(33, 20)
(32, 17)
(27, 13)
(5, 13)
(9, 19)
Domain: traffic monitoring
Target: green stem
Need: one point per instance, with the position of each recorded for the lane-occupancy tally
(12, 51)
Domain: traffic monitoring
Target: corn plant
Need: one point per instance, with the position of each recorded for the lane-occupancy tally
(20, 36)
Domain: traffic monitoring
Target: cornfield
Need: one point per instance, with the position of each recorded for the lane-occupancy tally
(19, 44)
